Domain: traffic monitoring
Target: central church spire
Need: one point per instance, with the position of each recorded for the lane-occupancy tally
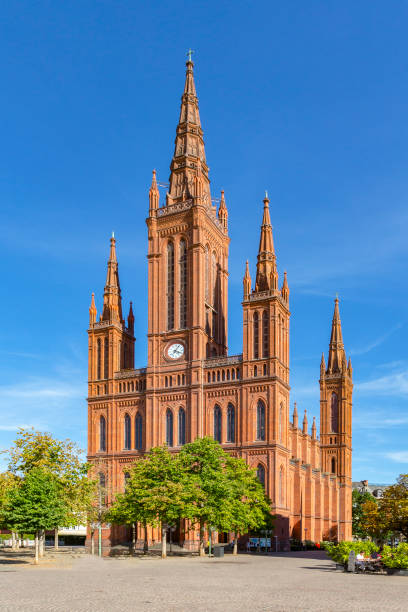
(188, 168)
(266, 273)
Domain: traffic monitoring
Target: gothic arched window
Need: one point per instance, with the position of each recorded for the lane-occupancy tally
(265, 334)
(183, 283)
(99, 359)
(333, 465)
(169, 427)
(138, 432)
(260, 472)
(127, 430)
(260, 420)
(217, 423)
(256, 335)
(125, 356)
(231, 423)
(106, 359)
(102, 433)
(181, 426)
(334, 413)
(170, 285)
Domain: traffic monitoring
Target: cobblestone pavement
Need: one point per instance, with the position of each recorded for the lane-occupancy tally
(287, 582)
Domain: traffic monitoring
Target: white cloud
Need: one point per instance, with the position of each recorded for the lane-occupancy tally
(398, 456)
(393, 384)
(369, 347)
(14, 427)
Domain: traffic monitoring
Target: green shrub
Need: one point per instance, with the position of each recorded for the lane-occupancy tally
(396, 557)
(339, 553)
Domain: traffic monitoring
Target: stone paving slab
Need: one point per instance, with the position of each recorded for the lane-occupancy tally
(248, 583)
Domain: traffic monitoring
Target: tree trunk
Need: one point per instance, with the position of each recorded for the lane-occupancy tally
(13, 540)
(134, 538)
(164, 544)
(235, 549)
(146, 541)
(17, 541)
(41, 546)
(202, 544)
(92, 542)
(36, 549)
(56, 539)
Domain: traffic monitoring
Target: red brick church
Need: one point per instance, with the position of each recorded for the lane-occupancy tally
(190, 386)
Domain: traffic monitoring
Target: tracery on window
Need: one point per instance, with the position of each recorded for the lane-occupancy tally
(260, 420)
(170, 285)
(256, 335)
(99, 359)
(106, 359)
(334, 413)
(169, 428)
(127, 432)
(181, 427)
(230, 423)
(217, 423)
(183, 284)
(265, 334)
(138, 432)
(260, 472)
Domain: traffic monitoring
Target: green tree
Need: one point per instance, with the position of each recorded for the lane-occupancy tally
(209, 487)
(36, 504)
(394, 505)
(374, 521)
(358, 521)
(248, 506)
(62, 458)
(157, 493)
(225, 492)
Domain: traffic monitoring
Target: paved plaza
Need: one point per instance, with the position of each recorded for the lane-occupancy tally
(285, 582)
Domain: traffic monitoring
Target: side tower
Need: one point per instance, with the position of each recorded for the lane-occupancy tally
(336, 390)
(265, 380)
(110, 348)
(187, 288)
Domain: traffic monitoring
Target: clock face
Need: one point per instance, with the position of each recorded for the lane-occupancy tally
(175, 351)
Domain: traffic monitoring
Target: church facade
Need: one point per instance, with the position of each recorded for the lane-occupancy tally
(190, 386)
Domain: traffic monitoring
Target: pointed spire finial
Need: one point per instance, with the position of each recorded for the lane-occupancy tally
(189, 161)
(131, 319)
(336, 347)
(314, 428)
(153, 195)
(305, 422)
(295, 419)
(285, 287)
(247, 281)
(112, 302)
(266, 272)
(92, 310)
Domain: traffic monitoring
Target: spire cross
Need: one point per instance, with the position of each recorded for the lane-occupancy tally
(189, 54)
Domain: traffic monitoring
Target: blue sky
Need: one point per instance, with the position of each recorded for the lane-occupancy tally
(305, 99)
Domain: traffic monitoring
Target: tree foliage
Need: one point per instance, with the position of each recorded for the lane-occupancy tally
(388, 516)
(394, 506)
(63, 459)
(36, 502)
(202, 484)
(358, 522)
